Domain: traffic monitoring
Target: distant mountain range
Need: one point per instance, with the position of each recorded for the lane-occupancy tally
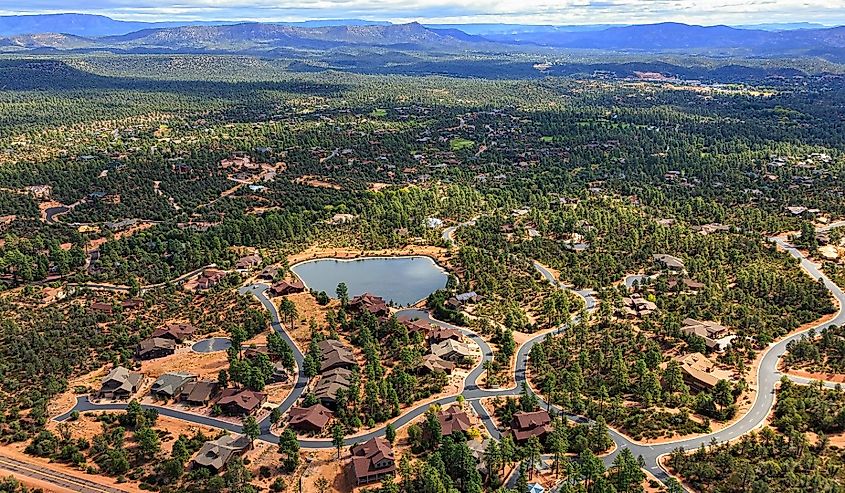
(77, 32)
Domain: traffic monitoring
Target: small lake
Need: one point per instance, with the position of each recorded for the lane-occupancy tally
(403, 280)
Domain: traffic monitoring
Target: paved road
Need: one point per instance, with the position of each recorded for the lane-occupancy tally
(767, 378)
(125, 289)
(51, 476)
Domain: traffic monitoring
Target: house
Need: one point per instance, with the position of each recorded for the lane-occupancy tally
(175, 332)
(235, 402)
(440, 334)
(687, 283)
(469, 297)
(717, 337)
(280, 373)
(530, 424)
(248, 263)
(453, 420)
(369, 303)
(335, 355)
(452, 350)
(199, 393)
(331, 382)
(702, 373)
(132, 304)
(253, 352)
(477, 449)
(372, 461)
(120, 383)
(637, 306)
(670, 263)
(433, 364)
(311, 419)
(415, 326)
(453, 304)
(283, 288)
(215, 454)
(210, 278)
(106, 308)
(536, 488)
(155, 347)
(170, 385)
(269, 273)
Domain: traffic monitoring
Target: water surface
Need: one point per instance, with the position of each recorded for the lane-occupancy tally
(403, 280)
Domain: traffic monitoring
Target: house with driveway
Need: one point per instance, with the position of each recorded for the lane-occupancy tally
(120, 383)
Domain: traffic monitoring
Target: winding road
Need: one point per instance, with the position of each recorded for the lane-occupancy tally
(767, 378)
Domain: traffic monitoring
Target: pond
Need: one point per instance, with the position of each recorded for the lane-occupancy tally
(212, 345)
(402, 280)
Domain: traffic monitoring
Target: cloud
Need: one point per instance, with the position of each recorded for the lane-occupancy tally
(450, 11)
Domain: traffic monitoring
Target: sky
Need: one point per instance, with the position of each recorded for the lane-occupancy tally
(559, 12)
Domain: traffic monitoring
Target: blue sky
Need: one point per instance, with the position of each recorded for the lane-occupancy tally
(707, 12)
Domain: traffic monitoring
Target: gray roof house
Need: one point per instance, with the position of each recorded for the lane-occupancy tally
(215, 454)
(170, 385)
(120, 383)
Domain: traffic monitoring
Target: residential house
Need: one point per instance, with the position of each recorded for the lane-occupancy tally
(670, 263)
(280, 373)
(637, 306)
(171, 385)
(199, 393)
(210, 278)
(686, 284)
(120, 383)
(717, 337)
(248, 262)
(371, 461)
(106, 308)
(310, 419)
(702, 373)
(530, 424)
(269, 273)
(440, 334)
(433, 364)
(132, 304)
(236, 402)
(369, 303)
(468, 297)
(284, 288)
(175, 332)
(453, 420)
(215, 454)
(452, 350)
(155, 347)
(330, 383)
(335, 355)
(416, 326)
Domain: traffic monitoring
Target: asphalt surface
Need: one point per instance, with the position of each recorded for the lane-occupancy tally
(57, 478)
(767, 378)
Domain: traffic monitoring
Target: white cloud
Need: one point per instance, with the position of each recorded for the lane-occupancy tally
(450, 11)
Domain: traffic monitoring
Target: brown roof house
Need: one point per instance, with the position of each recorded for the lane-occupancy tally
(248, 263)
(702, 373)
(215, 454)
(120, 383)
(335, 355)
(453, 420)
(235, 402)
(283, 288)
(106, 308)
(155, 347)
(199, 393)
(440, 334)
(534, 424)
(170, 385)
(452, 350)
(175, 332)
(372, 461)
(369, 303)
(670, 263)
(311, 419)
(637, 306)
(209, 278)
(717, 337)
(268, 273)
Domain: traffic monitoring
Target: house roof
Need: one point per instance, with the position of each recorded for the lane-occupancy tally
(669, 261)
(247, 400)
(155, 343)
(178, 332)
(703, 369)
(450, 347)
(436, 363)
(217, 453)
(170, 383)
(200, 391)
(335, 353)
(453, 420)
(471, 295)
(365, 456)
(535, 423)
(316, 416)
(441, 334)
(123, 378)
